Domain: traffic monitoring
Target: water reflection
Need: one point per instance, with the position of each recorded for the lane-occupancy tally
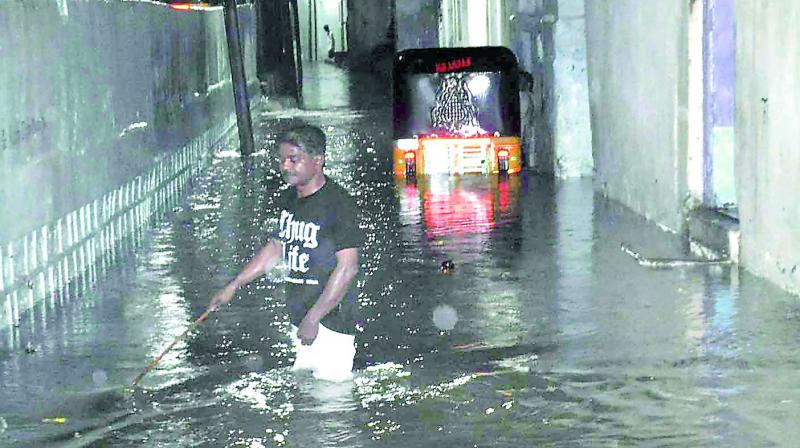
(448, 213)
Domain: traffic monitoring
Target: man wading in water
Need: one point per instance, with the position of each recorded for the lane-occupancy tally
(318, 242)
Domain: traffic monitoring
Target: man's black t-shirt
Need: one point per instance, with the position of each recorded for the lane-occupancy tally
(311, 230)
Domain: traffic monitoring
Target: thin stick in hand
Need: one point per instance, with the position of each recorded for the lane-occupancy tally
(155, 361)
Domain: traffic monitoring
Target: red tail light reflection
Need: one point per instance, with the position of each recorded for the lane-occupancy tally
(458, 213)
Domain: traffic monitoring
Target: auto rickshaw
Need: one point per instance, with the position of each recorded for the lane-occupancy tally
(456, 111)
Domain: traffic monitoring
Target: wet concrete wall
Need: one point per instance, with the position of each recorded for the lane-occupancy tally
(720, 87)
(417, 24)
(276, 54)
(368, 25)
(107, 111)
(637, 69)
(571, 131)
(548, 37)
(767, 136)
(93, 91)
(371, 36)
(531, 31)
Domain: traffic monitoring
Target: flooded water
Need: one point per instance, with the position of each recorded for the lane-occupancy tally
(545, 333)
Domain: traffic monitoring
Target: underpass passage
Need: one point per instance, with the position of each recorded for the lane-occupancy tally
(544, 331)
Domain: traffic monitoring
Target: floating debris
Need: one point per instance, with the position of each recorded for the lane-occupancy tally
(665, 263)
(470, 346)
(447, 267)
(58, 420)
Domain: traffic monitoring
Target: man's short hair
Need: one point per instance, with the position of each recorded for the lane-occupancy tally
(309, 138)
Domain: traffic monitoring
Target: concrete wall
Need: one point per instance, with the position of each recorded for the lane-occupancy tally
(107, 110)
(276, 53)
(368, 24)
(417, 24)
(719, 107)
(637, 66)
(92, 91)
(571, 130)
(371, 36)
(767, 153)
(531, 39)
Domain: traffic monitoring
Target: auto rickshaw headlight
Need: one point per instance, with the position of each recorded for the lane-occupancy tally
(408, 144)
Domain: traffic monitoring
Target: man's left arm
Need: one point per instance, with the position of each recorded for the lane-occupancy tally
(343, 274)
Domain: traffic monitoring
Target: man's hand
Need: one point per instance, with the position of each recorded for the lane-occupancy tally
(222, 297)
(308, 330)
(255, 268)
(345, 271)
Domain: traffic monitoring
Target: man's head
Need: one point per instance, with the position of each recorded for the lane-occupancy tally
(302, 155)
(326, 29)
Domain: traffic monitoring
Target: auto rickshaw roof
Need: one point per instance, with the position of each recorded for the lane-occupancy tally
(438, 60)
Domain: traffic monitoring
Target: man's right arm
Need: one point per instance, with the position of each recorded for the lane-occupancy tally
(255, 268)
